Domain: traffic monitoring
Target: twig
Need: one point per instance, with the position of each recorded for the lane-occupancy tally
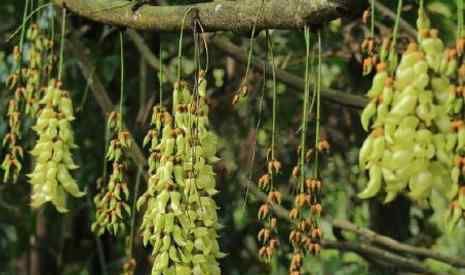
(380, 254)
(292, 80)
(396, 245)
(146, 52)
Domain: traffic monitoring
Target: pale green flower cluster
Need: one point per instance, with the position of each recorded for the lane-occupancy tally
(112, 206)
(180, 221)
(417, 144)
(53, 161)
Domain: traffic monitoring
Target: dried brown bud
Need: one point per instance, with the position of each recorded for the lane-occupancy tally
(263, 211)
(296, 171)
(300, 200)
(274, 223)
(264, 181)
(323, 145)
(264, 235)
(316, 233)
(235, 99)
(294, 213)
(275, 197)
(316, 209)
(366, 16)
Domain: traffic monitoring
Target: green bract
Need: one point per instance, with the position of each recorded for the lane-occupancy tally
(51, 178)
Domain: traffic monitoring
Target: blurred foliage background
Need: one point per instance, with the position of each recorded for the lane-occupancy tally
(45, 242)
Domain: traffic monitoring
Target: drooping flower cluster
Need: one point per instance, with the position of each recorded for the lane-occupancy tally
(180, 221)
(25, 82)
(418, 135)
(112, 203)
(51, 178)
(267, 235)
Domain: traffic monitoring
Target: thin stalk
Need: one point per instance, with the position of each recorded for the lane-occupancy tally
(62, 42)
(372, 24)
(23, 26)
(160, 76)
(318, 115)
(460, 20)
(121, 100)
(180, 42)
(305, 109)
(133, 212)
(251, 44)
(273, 68)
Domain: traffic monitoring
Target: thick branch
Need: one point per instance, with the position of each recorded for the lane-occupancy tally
(398, 246)
(214, 16)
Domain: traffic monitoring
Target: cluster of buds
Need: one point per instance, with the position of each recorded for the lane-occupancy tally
(25, 84)
(180, 220)
(267, 236)
(11, 165)
(51, 177)
(112, 207)
(40, 64)
(305, 213)
(455, 141)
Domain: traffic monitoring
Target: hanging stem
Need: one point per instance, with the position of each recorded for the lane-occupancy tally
(252, 39)
(121, 100)
(305, 108)
(392, 51)
(133, 211)
(318, 92)
(372, 24)
(160, 75)
(62, 42)
(460, 20)
(275, 103)
(180, 42)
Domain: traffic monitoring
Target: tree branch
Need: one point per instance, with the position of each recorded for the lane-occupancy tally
(286, 77)
(223, 15)
(398, 246)
(397, 261)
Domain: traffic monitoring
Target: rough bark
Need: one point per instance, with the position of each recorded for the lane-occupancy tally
(239, 16)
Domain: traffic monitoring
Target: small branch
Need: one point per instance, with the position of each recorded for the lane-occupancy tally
(397, 261)
(239, 16)
(147, 53)
(398, 246)
(292, 80)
